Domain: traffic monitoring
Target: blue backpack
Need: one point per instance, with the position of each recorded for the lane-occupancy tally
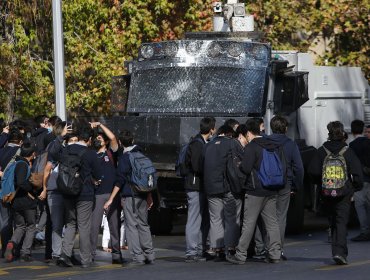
(272, 173)
(8, 191)
(181, 167)
(143, 176)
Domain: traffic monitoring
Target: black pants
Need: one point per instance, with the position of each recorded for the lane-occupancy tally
(338, 210)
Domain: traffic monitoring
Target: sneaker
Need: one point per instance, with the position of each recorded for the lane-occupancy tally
(260, 255)
(9, 252)
(53, 261)
(65, 261)
(117, 261)
(136, 263)
(233, 259)
(340, 260)
(361, 237)
(208, 256)
(195, 258)
(26, 258)
(149, 261)
(283, 257)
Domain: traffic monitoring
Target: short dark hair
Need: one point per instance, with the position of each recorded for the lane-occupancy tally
(336, 131)
(27, 149)
(242, 129)
(126, 138)
(207, 124)
(227, 130)
(357, 127)
(231, 122)
(84, 134)
(253, 126)
(54, 120)
(58, 128)
(40, 119)
(259, 120)
(15, 135)
(278, 124)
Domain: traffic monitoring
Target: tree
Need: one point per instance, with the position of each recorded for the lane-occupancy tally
(100, 35)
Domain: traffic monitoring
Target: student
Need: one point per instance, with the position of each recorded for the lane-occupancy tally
(233, 123)
(15, 140)
(221, 202)
(258, 200)
(338, 207)
(197, 224)
(135, 206)
(106, 146)
(361, 146)
(55, 200)
(78, 209)
(294, 169)
(23, 206)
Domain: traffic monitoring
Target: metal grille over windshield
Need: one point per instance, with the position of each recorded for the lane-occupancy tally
(213, 85)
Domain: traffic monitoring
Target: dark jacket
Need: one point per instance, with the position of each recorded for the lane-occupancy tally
(3, 139)
(194, 180)
(294, 165)
(25, 198)
(354, 168)
(251, 163)
(39, 136)
(215, 154)
(361, 147)
(123, 173)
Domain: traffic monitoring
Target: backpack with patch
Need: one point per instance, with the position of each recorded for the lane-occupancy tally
(143, 176)
(272, 173)
(181, 167)
(334, 173)
(235, 178)
(69, 181)
(37, 170)
(8, 190)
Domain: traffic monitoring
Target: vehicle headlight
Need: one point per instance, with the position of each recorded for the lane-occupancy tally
(192, 47)
(235, 49)
(214, 50)
(170, 49)
(147, 51)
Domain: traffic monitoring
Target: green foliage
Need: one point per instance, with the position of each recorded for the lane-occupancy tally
(99, 35)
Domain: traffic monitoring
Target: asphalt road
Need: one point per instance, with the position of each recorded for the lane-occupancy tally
(309, 257)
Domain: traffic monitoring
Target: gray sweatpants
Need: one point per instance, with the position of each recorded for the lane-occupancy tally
(197, 224)
(282, 206)
(253, 207)
(224, 212)
(78, 215)
(25, 228)
(138, 234)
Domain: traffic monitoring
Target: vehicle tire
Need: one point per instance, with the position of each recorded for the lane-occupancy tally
(160, 221)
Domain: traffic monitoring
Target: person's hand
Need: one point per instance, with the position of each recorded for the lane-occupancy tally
(94, 124)
(107, 204)
(1, 174)
(149, 201)
(6, 129)
(42, 195)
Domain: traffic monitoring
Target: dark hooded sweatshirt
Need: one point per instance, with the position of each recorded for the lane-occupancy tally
(251, 163)
(295, 169)
(354, 168)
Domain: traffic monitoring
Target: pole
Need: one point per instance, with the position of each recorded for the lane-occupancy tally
(60, 93)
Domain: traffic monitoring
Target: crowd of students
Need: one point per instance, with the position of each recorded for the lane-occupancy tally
(224, 216)
(104, 173)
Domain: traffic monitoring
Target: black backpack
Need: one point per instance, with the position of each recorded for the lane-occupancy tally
(69, 181)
